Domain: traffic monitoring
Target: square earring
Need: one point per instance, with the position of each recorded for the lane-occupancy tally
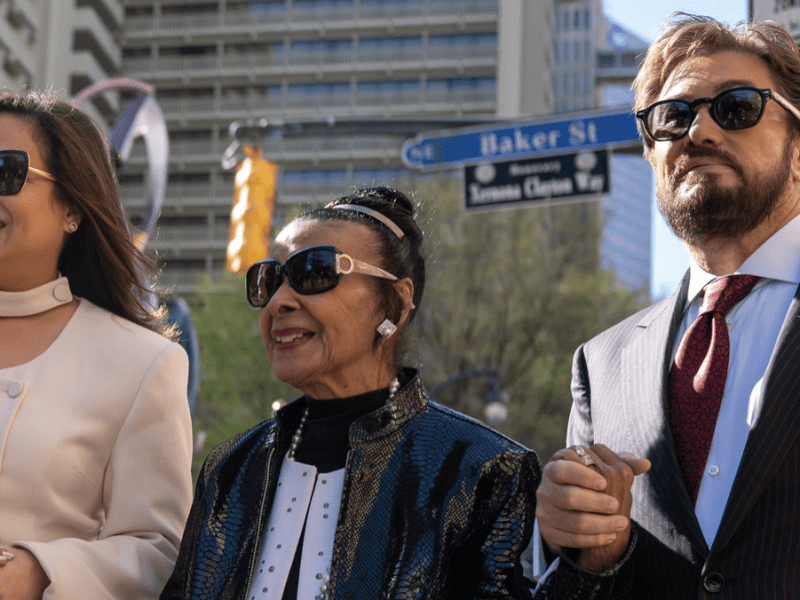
(387, 328)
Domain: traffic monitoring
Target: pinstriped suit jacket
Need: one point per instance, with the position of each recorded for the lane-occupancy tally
(619, 389)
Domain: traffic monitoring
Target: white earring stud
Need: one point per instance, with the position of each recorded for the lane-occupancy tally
(387, 328)
(73, 227)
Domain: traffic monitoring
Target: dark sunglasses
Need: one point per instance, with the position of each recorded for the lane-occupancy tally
(309, 271)
(736, 108)
(14, 169)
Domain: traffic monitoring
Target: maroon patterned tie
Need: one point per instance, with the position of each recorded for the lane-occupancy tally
(697, 377)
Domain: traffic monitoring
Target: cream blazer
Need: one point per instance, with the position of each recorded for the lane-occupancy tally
(95, 458)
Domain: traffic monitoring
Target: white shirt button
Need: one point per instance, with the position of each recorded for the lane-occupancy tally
(713, 470)
(15, 389)
(729, 325)
(62, 292)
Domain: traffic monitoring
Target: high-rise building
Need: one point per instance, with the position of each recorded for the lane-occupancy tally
(62, 46)
(20, 33)
(784, 12)
(216, 61)
(595, 61)
(213, 62)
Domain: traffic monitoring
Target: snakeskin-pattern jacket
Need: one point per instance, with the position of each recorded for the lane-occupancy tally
(435, 505)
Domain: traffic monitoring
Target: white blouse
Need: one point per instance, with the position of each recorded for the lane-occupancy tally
(304, 498)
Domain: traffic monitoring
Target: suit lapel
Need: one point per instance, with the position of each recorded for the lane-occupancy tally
(775, 431)
(645, 390)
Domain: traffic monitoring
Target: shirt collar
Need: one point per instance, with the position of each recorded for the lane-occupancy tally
(778, 258)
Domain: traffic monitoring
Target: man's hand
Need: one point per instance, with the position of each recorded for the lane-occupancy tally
(588, 506)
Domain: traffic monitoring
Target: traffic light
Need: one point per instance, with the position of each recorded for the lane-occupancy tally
(251, 213)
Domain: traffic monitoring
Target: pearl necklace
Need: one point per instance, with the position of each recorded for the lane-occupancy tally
(297, 438)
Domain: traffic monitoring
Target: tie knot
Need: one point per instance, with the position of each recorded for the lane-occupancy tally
(721, 294)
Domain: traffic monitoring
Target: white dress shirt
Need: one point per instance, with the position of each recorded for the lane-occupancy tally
(753, 328)
(304, 499)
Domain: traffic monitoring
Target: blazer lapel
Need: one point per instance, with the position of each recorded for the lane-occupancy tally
(646, 361)
(774, 432)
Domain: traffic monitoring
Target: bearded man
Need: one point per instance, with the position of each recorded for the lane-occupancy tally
(681, 478)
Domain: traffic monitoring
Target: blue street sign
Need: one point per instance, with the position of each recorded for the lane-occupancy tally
(454, 147)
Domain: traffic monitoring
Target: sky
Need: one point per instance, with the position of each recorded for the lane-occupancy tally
(669, 259)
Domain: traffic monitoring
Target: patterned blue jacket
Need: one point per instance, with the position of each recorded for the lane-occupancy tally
(435, 505)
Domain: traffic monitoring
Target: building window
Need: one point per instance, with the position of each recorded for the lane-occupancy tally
(319, 89)
(253, 48)
(264, 6)
(322, 4)
(393, 43)
(322, 46)
(389, 87)
(474, 39)
(383, 2)
(309, 177)
(782, 5)
(606, 61)
(190, 9)
(465, 83)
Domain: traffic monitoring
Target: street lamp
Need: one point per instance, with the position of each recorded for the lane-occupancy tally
(495, 407)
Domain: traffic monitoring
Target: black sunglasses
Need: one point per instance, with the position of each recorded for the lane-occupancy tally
(736, 108)
(14, 169)
(309, 271)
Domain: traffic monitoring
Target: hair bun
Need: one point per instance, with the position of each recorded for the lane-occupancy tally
(384, 195)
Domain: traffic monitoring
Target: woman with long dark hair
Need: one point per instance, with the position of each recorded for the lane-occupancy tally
(95, 434)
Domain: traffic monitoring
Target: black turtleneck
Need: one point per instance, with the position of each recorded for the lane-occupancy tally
(325, 434)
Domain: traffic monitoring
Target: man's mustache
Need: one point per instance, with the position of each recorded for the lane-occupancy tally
(685, 164)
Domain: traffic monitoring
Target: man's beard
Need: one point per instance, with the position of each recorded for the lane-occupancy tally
(711, 211)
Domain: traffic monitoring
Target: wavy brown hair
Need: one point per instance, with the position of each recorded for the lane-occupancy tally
(100, 259)
(686, 36)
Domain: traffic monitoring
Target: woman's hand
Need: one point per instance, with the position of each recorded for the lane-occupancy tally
(585, 502)
(21, 577)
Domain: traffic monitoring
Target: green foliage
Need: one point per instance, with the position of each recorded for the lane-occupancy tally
(516, 290)
(237, 386)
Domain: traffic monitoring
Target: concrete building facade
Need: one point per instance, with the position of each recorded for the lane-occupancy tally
(62, 46)
(216, 61)
(784, 12)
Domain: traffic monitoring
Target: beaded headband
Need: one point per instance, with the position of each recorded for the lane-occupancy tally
(375, 215)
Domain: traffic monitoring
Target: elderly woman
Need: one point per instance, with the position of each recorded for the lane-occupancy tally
(361, 488)
(95, 435)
